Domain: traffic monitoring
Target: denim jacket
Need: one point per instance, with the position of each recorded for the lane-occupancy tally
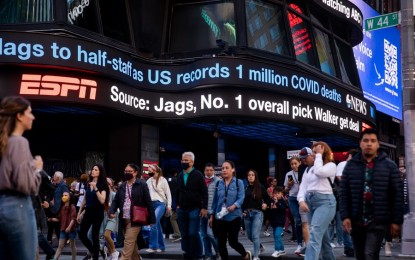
(235, 197)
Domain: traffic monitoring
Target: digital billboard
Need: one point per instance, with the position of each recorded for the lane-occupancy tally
(378, 63)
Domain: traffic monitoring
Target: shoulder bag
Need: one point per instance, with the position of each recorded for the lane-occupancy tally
(139, 214)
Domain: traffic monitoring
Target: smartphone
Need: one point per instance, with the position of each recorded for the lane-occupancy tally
(290, 178)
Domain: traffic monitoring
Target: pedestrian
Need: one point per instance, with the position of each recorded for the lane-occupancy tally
(173, 218)
(20, 178)
(192, 199)
(111, 224)
(347, 240)
(316, 197)
(255, 202)
(67, 220)
(94, 204)
(206, 232)
(278, 211)
(80, 189)
(227, 212)
(292, 185)
(132, 192)
(161, 200)
(371, 197)
(272, 183)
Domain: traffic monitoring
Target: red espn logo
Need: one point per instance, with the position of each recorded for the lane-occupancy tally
(48, 85)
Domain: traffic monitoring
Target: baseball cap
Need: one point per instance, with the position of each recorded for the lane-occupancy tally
(304, 152)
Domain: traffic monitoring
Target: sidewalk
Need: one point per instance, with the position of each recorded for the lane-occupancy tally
(173, 250)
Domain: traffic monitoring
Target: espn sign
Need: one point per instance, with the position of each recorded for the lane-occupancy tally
(49, 85)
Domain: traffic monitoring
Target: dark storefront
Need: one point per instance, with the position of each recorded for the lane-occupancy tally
(240, 80)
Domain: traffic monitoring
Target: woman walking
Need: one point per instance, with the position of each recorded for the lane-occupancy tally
(95, 201)
(226, 209)
(255, 202)
(20, 177)
(132, 192)
(161, 200)
(316, 197)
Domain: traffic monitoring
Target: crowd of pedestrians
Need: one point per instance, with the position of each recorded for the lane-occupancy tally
(362, 200)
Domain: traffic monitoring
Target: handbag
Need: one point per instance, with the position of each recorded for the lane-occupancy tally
(139, 214)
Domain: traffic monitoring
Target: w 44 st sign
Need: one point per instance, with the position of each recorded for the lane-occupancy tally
(382, 21)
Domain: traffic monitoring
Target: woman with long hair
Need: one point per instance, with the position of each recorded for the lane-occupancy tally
(316, 197)
(255, 202)
(111, 224)
(132, 192)
(95, 202)
(161, 199)
(227, 211)
(20, 178)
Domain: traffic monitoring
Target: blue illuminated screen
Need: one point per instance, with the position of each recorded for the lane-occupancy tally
(378, 63)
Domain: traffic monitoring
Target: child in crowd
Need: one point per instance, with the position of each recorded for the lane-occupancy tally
(67, 219)
(277, 219)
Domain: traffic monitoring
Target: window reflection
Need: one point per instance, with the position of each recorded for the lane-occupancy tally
(325, 55)
(23, 11)
(266, 27)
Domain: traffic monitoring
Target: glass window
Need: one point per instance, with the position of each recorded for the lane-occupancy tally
(198, 26)
(266, 27)
(301, 37)
(23, 11)
(346, 62)
(325, 55)
(83, 13)
(115, 28)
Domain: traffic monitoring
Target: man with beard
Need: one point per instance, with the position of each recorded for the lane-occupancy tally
(371, 197)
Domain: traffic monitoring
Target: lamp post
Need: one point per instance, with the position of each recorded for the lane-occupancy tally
(408, 80)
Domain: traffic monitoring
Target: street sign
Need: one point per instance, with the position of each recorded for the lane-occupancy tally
(382, 21)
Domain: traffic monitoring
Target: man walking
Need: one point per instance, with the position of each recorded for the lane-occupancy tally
(192, 199)
(371, 197)
(205, 231)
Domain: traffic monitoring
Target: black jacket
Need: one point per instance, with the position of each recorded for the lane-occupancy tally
(140, 197)
(194, 194)
(387, 190)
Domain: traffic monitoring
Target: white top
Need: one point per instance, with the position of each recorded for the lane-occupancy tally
(340, 168)
(315, 178)
(294, 189)
(81, 188)
(161, 192)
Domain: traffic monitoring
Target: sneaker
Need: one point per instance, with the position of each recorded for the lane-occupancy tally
(275, 254)
(261, 248)
(159, 250)
(115, 255)
(332, 245)
(298, 250)
(388, 251)
(150, 251)
(249, 254)
(177, 239)
(280, 253)
(266, 233)
(302, 251)
(348, 252)
(339, 244)
(87, 257)
(255, 258)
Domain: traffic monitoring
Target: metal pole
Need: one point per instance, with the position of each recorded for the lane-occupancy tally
(407, 55)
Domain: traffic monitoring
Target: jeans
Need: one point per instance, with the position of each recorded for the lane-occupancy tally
(338, 225)
(368, 240)
(189, 224)
(322, 210)
(207, 237)
(278, 244)
(295, 211)
(253, 225)
(156, 233)
(18, 238)
(347, 241)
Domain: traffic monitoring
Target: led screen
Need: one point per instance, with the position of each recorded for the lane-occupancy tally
(198, 26)
(378, 63)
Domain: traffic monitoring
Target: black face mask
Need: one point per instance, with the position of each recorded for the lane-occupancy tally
(128, 176)
(185, 165)
(151, 174)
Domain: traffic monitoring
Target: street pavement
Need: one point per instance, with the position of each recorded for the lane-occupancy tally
(173, 250)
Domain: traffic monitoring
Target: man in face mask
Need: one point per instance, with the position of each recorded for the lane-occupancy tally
(192, 200)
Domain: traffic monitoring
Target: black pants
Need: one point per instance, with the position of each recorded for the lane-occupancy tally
(53, 227)
(229, 231)
(367, 240)
(93, 217)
